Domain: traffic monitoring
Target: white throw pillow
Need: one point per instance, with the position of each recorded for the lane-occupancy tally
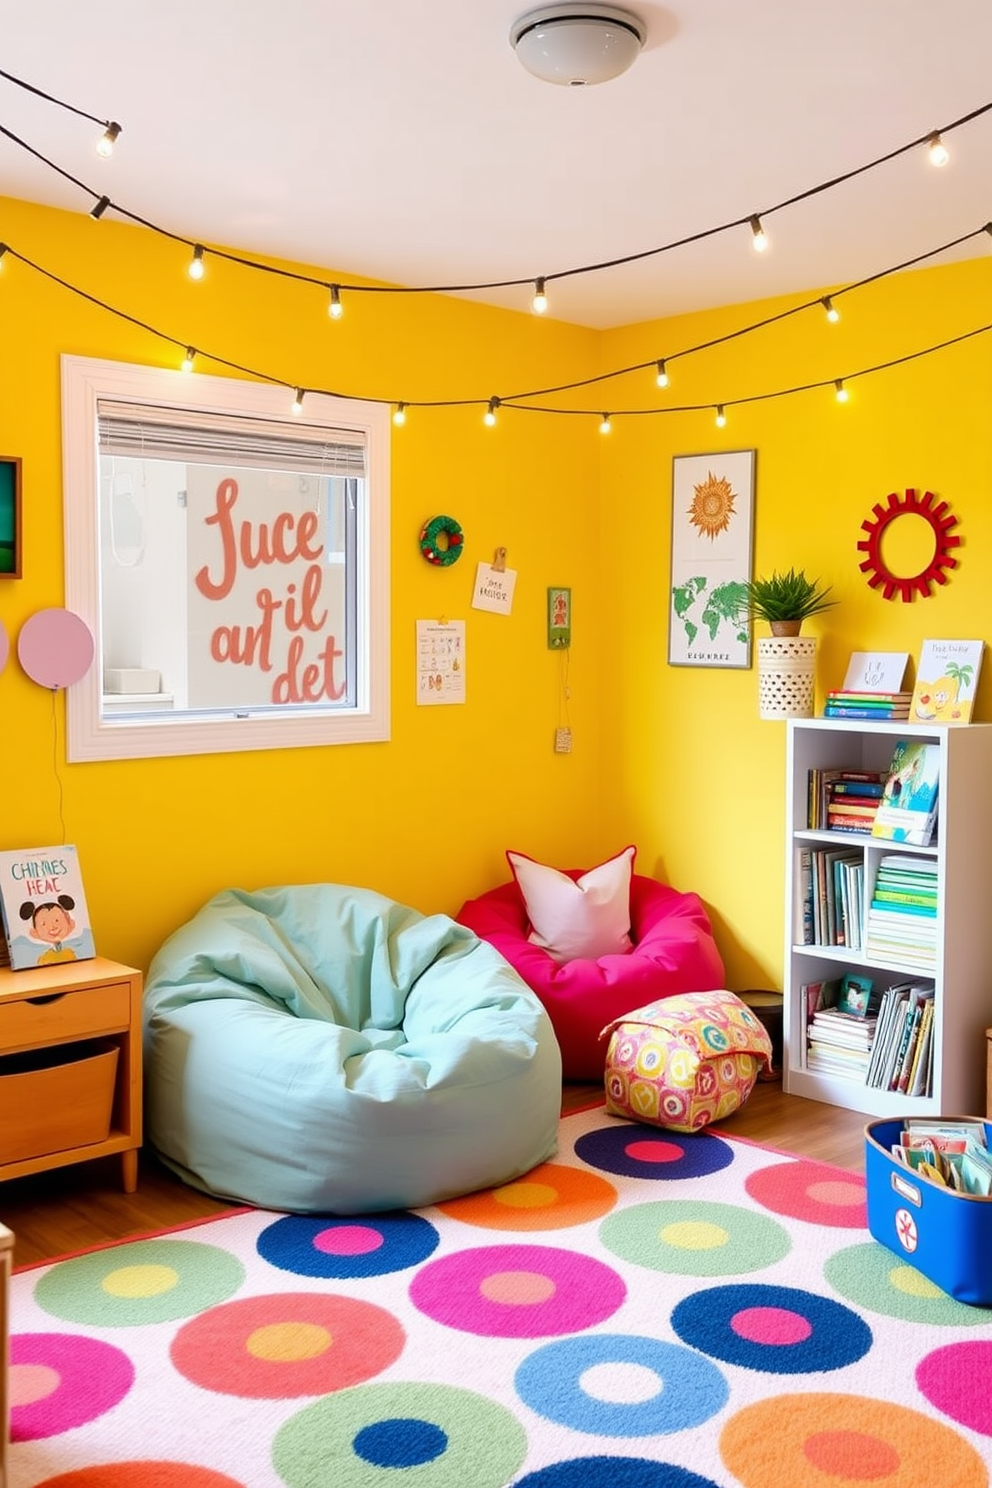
(575, 919)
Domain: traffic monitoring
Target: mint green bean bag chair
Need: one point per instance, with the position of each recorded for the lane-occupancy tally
(322, 1049)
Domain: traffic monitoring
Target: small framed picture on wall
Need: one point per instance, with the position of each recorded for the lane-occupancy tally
(10, 517)
(712, 549)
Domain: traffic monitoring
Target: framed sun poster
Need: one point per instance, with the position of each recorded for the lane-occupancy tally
(712, 554)
(10, 517)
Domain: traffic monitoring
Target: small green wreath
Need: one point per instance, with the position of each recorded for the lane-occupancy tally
(452, 550)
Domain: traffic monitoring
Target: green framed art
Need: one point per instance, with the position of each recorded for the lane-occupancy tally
(10, 517)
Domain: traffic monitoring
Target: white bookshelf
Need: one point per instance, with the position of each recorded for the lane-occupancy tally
(962, 853)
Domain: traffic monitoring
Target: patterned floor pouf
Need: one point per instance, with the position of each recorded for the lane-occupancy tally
(685, 1061)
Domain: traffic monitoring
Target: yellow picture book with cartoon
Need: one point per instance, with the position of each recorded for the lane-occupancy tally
(43, 907)
(946, 679)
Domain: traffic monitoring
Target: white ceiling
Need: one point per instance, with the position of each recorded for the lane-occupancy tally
(403, 140)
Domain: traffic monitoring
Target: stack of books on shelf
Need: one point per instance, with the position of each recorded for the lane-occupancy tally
(843, 800)
(829, 900)
(880, 706)
(902, 915)
(842, 1019)
(902, 1052)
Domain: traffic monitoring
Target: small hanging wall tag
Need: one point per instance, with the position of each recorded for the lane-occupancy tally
(494, 584)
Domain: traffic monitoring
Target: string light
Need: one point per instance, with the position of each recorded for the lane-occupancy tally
(841, 390)
(937, 151)
(721, 417)
(540, 301)
(399, 415)
(489, 417)
(196, 265)
(98, 208)
(830, 309)
(662, 378)
(759, 241)
(335, 309)
(605, 425)
(188, 359)
(108, 139)
(3, 250)
(298, 401)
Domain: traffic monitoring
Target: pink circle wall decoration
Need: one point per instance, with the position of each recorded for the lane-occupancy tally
(55, 648)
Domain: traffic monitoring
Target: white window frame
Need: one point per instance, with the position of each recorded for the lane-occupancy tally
(93, 736)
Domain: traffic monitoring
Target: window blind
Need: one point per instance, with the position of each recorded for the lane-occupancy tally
(151, 431)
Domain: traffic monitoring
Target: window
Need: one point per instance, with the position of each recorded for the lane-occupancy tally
(230, 559)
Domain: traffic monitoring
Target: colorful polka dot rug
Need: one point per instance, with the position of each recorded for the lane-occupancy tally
(647, 1310)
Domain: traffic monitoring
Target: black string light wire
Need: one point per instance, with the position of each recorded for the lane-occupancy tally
(111, 129)
(752, 220)
(493, 403)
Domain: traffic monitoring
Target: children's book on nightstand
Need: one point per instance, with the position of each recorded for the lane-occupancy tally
(907, 811)
(946, 679)
(43, 907)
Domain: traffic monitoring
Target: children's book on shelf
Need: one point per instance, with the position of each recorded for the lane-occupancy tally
(946, 679)
(907, 811)
(43, 907)
(855, 994)
(876, 672)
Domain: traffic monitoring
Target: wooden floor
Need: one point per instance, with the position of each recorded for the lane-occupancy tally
(75, 1208)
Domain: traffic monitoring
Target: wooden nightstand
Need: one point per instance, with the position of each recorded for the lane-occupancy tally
(52, 1008)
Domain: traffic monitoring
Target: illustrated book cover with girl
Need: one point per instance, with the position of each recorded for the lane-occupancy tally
(43, 907)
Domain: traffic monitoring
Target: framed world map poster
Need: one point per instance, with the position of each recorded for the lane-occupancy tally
(712, 553)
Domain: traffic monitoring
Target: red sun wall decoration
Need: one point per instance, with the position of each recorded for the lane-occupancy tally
(940, 518)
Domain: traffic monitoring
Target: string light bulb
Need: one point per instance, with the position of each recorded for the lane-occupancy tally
(189, 359)
(335, 309)
(759, 240)
(298, 401)
(721, 417)
(937, 151)
(3, 250)
(489, 417)
(540, 301)
(830, 310)
(98, 208)
(109, 137)
(399, 415)
(605, 425)
(197, 267)
(662, 377)
(841, 390)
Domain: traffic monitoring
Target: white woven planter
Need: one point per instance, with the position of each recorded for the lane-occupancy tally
(786, 675)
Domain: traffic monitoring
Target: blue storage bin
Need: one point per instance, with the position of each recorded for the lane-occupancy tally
(946, 1235)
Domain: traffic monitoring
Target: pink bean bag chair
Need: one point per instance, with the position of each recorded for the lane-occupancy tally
(670, 951)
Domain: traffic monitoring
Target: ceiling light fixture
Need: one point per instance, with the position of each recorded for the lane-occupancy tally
(577, 45)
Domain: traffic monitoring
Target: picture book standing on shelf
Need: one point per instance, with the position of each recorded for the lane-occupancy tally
(43, 907)
(946, 679)
(907, 811)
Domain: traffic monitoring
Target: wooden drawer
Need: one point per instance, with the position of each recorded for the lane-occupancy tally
(52, 1017)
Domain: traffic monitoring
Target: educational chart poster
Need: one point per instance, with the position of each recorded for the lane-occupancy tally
(440, 661)
(712, 522)
(44, 908)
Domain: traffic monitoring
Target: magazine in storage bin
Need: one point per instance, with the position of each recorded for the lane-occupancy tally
(944, 1234)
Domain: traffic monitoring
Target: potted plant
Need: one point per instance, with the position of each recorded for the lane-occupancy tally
(785, 600)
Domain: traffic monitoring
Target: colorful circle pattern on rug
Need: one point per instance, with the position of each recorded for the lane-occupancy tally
(829, 1441)
(695, 1238)
(636, 1152)
(61, 1380)
(287, 1344)
(142, 1474)
(345, 1248)
(812, 1191)
(437, 1436)
(873, 1277)
(549, 1197)
(616, 1384)
(776, 1329)
(616, 1472)
(955, 1380)
(517, 1291)
(148, 1281)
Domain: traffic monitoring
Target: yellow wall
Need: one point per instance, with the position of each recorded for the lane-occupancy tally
(698, 777)
(426, 817)
(673, 759)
